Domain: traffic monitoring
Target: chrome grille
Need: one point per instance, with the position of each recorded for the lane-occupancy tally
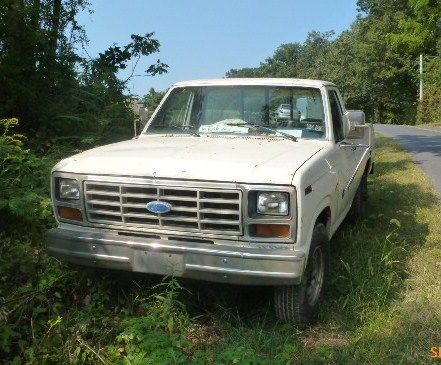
(193, 209)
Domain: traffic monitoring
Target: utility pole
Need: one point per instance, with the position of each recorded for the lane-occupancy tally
(421, 77)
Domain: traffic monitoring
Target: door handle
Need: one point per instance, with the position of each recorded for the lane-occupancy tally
(344, 144)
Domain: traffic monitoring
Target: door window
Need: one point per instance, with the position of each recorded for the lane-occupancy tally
(337, 116)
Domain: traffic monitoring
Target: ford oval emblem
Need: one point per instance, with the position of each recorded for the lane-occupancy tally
(159, 207)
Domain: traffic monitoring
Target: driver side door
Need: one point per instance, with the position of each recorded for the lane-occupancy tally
(342, 159)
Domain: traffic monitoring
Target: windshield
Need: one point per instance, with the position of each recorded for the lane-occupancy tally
(296, 111)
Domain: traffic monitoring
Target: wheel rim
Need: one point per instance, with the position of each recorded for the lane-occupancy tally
(314, 286)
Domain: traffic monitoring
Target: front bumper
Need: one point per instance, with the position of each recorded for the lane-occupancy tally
(211, 262)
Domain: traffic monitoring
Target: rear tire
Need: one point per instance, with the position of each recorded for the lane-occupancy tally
(299, 304)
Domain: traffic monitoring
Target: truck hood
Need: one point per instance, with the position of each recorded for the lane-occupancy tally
(217, 158)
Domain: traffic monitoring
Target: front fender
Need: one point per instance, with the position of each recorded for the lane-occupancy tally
(308, 226)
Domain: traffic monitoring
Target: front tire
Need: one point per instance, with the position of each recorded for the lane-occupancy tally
(299, 304)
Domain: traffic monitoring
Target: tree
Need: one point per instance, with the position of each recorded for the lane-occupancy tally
(420, 33)
(36, 57)
(152, 99)
(48, 85)
(292, 59)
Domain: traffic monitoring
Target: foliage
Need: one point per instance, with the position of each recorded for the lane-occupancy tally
(429, 110)
(24, 179)
(116, 58)
(159, 334)
(292, 59)
(417, 34)
(152, 99)
(50, 87)
(420, 32)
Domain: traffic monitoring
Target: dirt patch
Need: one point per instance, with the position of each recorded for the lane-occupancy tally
(203, 335)
(331, 340)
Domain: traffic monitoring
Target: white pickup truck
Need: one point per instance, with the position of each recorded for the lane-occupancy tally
(218, 186)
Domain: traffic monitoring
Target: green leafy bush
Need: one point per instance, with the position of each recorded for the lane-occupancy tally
(429, 109)
(159, 334)
(24, 178)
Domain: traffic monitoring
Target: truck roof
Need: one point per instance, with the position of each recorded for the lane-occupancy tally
(254, 81)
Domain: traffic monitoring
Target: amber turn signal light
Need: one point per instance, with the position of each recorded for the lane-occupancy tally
(70, 213)
(272, 230)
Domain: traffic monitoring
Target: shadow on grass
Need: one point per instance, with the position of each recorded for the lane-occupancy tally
(385, 167)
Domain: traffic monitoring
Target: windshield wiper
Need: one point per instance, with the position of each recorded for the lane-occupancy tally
(169, 129)
(263, 128)
(191, 133)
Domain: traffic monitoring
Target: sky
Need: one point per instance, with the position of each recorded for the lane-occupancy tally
(205, 38)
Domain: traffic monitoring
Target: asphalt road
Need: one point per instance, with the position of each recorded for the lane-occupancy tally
(423, 144)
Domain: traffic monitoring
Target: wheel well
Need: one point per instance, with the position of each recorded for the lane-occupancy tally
(325, 217)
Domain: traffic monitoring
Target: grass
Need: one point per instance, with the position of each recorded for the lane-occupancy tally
(382, 307)
(429, 125)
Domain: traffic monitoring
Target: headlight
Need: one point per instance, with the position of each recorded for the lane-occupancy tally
(273, 203)
(68, 189)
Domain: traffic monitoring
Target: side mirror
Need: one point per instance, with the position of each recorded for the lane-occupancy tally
(356, 118)
(140, 123)
(357, 122)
